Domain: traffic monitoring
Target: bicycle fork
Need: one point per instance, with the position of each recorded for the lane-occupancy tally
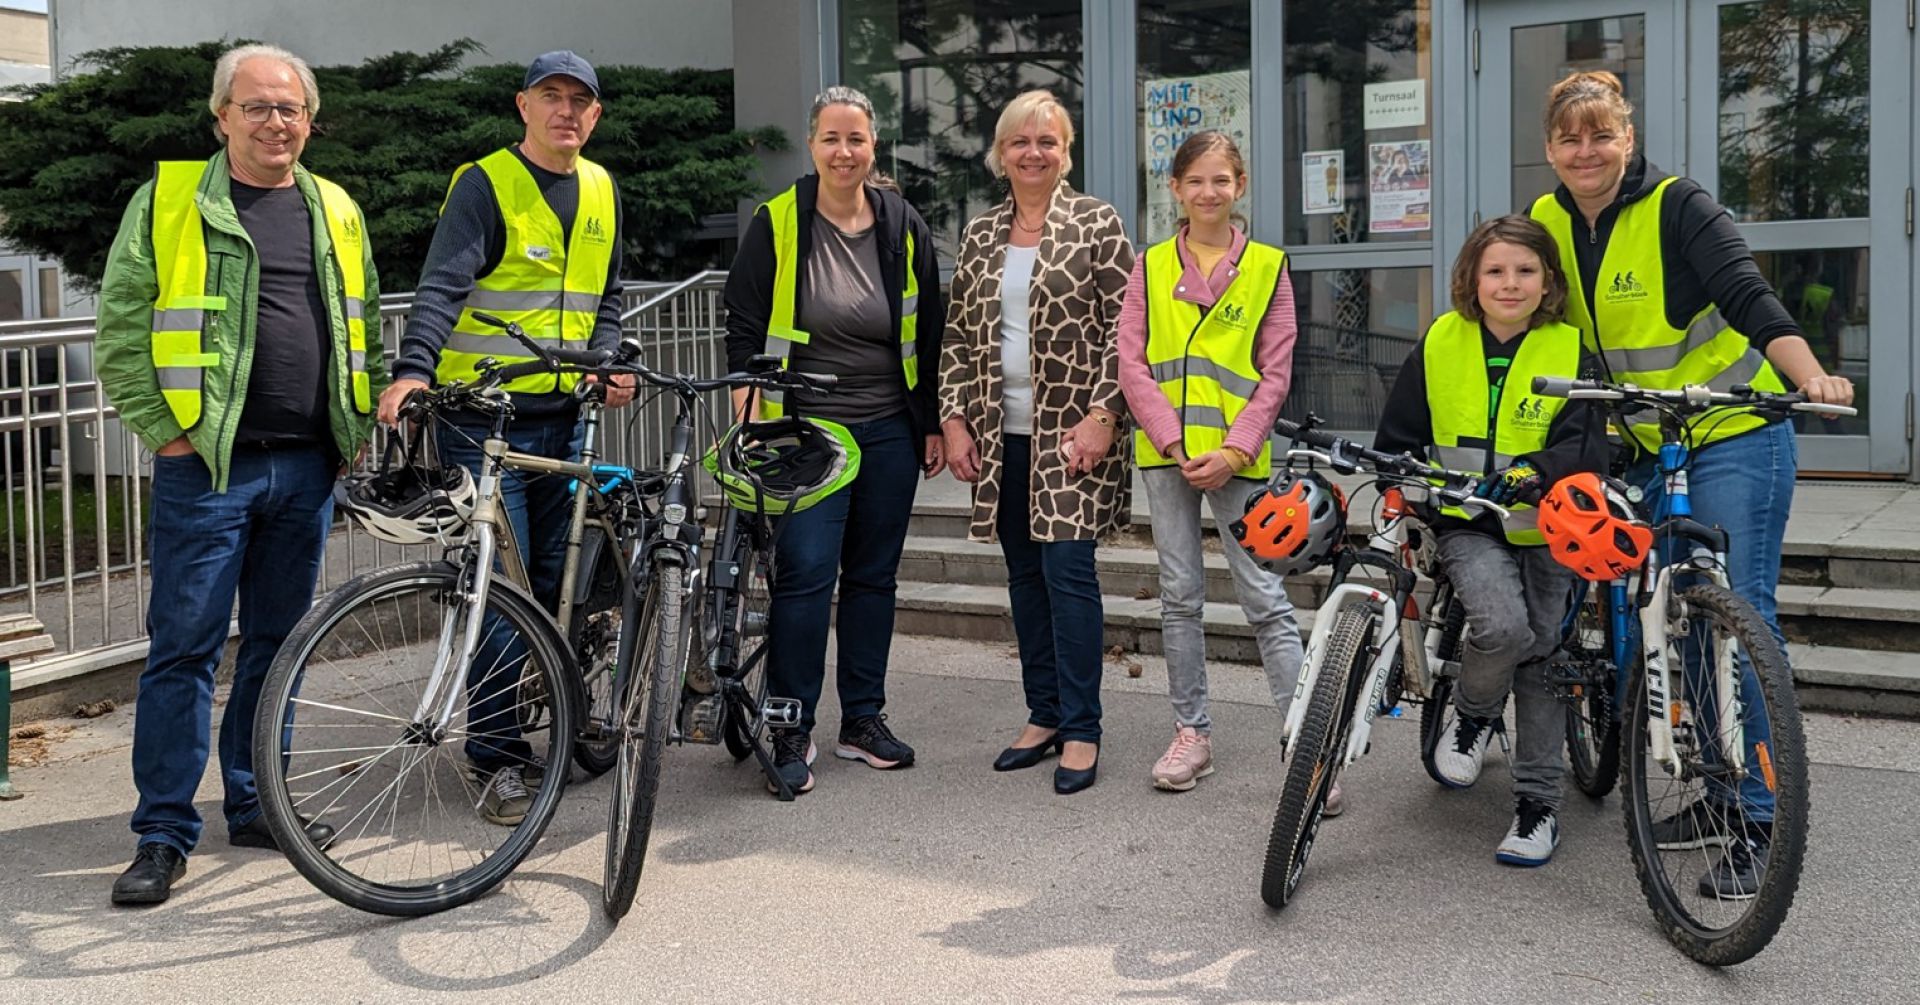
(1663, 712)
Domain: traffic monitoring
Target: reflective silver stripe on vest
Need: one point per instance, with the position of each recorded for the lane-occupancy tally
(1205, 416)
(1199, 366)
(178, 378)
(909, 349)
(1660, 358)
(531, 300)
(356, 309)
(910, 305)
(1522, 518)
(179, 319)
(500, 346)
(357, 361)
(1743, 371)
(1461, 458)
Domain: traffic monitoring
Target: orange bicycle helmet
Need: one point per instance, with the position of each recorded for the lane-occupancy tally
(1297, 522)
(1591, 527)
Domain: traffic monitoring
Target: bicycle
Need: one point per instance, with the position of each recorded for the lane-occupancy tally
(704, 639)
(372, 699)
(1706, 744)
(1369, 647)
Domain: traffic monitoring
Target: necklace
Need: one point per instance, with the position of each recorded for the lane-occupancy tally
(1022, 224)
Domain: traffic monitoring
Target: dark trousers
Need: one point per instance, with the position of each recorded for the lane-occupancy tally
(537, 507)
(260, 540)
(1057, 614)
(854, 537)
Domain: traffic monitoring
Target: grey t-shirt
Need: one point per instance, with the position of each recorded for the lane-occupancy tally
(844, 310)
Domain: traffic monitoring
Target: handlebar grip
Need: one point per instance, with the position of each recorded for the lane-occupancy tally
(820, 380)
(581, 357)
(1559, 387)
(488, 319)
(517, 370)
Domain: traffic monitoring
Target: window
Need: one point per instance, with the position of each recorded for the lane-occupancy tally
(1359, 130)
(1194, 67)
(1793, 110)
(1826, 292)
(1356, 327)
(49, 291)
(939, 72)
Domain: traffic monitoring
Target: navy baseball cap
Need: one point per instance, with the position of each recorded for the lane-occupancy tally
(562, 63)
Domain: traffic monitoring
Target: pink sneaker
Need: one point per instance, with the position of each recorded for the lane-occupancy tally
(1336, 802)
(1187, 760)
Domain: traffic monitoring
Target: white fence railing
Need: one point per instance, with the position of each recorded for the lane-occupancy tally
(73, 482)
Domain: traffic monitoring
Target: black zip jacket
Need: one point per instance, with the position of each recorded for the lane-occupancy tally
(749, 293)
(1706, 260)
(1576, 439)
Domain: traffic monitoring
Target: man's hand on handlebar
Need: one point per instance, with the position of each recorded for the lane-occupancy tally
(620, 387)
(395, 397)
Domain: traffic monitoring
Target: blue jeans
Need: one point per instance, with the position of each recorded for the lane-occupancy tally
(814, 548)
(538, 509)
(1743, 485)
(260, 540)
(1057, 615)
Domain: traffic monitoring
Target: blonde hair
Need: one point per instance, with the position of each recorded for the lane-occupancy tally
(1590, 99)
(1037, 104)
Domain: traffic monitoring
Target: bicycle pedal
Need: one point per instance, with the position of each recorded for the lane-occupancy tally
(700, 719)
(781, 711)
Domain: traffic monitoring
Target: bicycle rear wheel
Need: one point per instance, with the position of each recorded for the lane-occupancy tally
(341, 737)
(1691, 835)
(1584, 664)
(746, 723)
(1318, 749)
(594, 638)
(644, 715)
(1437, 715)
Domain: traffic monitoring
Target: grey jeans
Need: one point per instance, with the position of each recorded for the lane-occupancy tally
(1516, 599)
(1175, 508)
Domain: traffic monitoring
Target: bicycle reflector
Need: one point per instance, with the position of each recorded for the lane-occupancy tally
(1591, 528)
(1297, 522)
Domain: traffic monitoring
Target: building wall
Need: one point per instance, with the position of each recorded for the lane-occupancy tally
(776, 73)
(23, 37)
(662, 33)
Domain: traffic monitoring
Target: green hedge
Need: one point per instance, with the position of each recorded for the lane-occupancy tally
(390, 130)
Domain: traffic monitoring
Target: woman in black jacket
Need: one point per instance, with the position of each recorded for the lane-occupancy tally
(837, 275)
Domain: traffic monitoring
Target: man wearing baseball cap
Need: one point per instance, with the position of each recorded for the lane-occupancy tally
(529, 233)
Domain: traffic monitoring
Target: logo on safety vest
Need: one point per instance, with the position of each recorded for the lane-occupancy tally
(1531, 413)
(594, 231)
(1232, 315)
(539, 252)
(350, 229)
(1624, 287)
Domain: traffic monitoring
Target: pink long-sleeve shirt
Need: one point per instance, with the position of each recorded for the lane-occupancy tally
(1272, 350)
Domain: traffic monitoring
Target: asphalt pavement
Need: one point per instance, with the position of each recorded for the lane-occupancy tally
(947, 882)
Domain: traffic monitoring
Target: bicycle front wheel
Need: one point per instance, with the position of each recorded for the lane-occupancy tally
(349, 735)
(1718, 847)
(644, 714)
(1318, 749)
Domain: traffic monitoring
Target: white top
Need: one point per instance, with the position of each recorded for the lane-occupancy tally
(1016, 367)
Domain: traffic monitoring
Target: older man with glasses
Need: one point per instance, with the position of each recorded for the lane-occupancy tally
(234, 341)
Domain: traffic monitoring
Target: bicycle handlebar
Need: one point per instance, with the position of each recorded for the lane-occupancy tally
(1455, 488)
(1692, 399)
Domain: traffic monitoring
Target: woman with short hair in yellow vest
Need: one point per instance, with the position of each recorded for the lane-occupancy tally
(1664, 289)
(838, 275)
(1206, 355)
(1464, 400)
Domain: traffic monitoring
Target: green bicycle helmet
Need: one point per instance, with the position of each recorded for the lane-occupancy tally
(783, 465)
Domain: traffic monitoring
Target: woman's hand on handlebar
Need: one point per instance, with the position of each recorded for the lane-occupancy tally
(395, 396)
(1828, 389)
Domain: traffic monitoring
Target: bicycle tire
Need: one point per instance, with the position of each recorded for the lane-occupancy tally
(1438, 713)
(751, 606)
(1592, 722)
(594, 638)
(1314, 764)
(301, 696)
(649, 695)
(1717, 941)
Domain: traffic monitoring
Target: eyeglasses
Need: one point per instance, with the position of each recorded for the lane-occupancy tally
(260, 112)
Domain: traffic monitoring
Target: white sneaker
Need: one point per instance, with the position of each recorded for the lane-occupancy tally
(1532, 838)
(1463, 750)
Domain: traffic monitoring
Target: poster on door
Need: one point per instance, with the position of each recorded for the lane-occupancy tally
(1399, 187)
(1323, 176)
(1174, 108)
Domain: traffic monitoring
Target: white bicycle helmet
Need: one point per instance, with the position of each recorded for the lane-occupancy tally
(409, 503)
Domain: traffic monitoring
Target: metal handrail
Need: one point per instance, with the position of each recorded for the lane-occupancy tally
(710, 279)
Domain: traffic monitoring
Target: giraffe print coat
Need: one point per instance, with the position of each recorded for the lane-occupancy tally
(1080, 277)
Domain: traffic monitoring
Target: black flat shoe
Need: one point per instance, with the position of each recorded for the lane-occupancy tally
(149, 880)
(256, 834)
(1067, 781)
(1015, 758)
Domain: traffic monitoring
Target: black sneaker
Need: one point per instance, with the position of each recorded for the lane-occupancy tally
(1738, 874)
(793, 753)
(868, 739)
(1700, 824)
(149, 880)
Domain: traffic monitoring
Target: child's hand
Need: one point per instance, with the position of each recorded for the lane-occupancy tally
(1519, 483)
(1208, 471)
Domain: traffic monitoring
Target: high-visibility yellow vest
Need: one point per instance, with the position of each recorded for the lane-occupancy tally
(1629, 326)
(183, 310)
(549, 282)
(1203, 361)
(783, 211)
(1461, 404)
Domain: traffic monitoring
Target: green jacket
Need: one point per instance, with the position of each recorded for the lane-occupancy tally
(123, 355)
